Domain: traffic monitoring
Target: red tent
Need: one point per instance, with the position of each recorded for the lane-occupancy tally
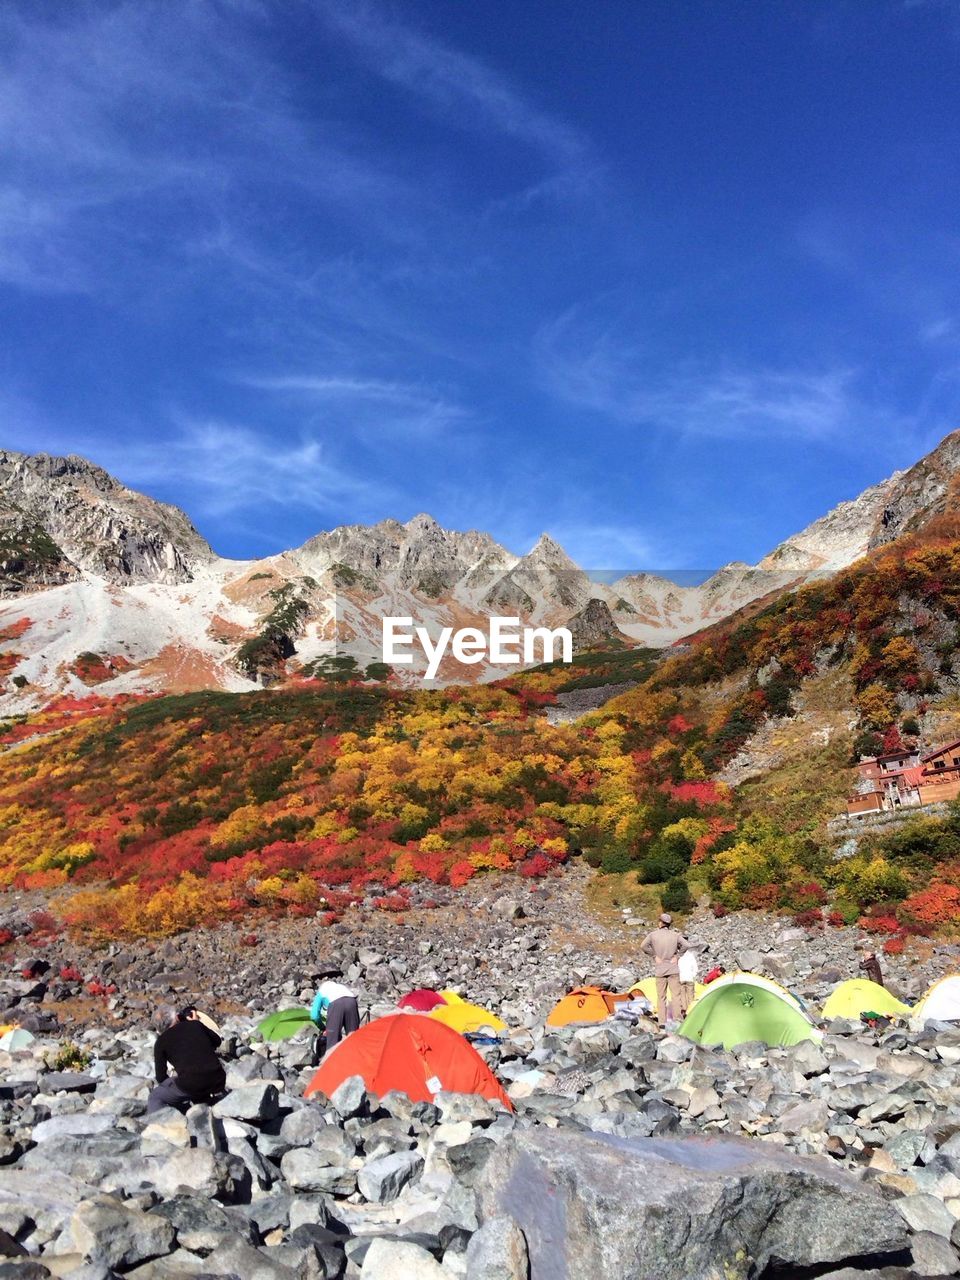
(414, 1054)
(422, 1000)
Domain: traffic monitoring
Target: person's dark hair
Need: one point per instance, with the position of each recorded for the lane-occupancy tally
(185, 1013)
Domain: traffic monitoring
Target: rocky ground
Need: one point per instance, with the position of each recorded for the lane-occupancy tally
(630, 1153)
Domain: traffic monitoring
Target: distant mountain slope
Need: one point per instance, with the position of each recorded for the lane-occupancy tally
(104, 587)
(95, 523)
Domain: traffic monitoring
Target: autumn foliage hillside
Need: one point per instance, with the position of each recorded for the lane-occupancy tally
(148, 816)
(172, 811)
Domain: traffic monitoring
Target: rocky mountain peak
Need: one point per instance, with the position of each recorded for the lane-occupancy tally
(94, 522)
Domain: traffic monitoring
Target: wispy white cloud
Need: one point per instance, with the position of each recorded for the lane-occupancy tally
(221, 470)
(467, 91)
(231, 468)
(139, 129)
(600, 366)
(371, 407)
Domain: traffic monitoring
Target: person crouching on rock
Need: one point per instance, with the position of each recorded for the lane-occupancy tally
(190, 1048)
(666, 945)
(336, 1013)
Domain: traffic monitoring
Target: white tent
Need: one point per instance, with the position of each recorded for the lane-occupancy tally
(16, 1038)
(941, 1003)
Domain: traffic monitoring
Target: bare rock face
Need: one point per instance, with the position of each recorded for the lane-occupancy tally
(915, 497)
(679, 1208)
(71, 515)
(420, 555)
(594, 625)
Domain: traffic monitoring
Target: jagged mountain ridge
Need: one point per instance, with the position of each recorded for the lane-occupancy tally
(119, 575)
(95, 523)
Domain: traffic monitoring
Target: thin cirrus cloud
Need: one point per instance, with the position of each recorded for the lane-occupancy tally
(142, 110)
(454, 83)
(383, 404)
(597, 366)
(232, 469)
(220, 471)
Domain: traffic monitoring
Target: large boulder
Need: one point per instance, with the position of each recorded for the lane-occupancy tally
(119, 1234)
(400, 1260)
(678, 1208)
(383, 1179)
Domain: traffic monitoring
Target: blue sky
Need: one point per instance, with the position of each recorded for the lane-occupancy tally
(667, 279)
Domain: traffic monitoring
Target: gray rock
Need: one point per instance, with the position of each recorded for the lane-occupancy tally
(119, 1234)
(67, 1082)
(197, 1169)
(927, 1213)
(202, 1224)
(464, 1106)
(350, 1097)
(51, 1196)
(234, 1257)
(609, 1208)
(400, 1260)
(253, 1102)
(498, 1251)
(308, 1170)
(299, 1127)
(811, 1115)
(933, 1255)
(382, 1180)
(81, 1124)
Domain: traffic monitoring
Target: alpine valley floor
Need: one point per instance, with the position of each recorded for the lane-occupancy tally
(629, 1153)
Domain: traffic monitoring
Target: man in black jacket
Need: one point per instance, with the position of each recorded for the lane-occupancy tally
(189, 1047)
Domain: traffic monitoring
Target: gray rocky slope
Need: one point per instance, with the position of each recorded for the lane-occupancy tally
(630, 1153)
(89, 566)
(95, 522)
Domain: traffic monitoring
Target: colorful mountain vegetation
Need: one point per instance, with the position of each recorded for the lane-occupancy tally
(152, 815)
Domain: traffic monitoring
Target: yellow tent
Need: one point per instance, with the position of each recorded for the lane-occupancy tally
(648, 987)
(585, 1004)
(463, 1016)
(860, 995)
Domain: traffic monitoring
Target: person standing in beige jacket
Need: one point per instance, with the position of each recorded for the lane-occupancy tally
(666, 944)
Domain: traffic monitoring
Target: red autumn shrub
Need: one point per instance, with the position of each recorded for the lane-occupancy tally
(393, 902)
(808, 919)
(42, 922)
(460, 873)
(836, 919)
(885, 923)
(536, 866)
(894, 946)
(249, 940)
(762, 897)
(70, 973)
(719, 910)
(808, 895)
(6, 937)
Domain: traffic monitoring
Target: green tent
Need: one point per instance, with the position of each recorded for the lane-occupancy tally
(283, 1024)
(733, 1013)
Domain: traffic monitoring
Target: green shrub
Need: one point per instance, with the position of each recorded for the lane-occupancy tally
(616, 861)
(676, 895)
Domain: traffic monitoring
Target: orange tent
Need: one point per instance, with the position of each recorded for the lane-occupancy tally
(585, 1004)
(410, 1052)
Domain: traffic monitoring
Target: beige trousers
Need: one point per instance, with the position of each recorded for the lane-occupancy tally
(687, 992)
(668, 998)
